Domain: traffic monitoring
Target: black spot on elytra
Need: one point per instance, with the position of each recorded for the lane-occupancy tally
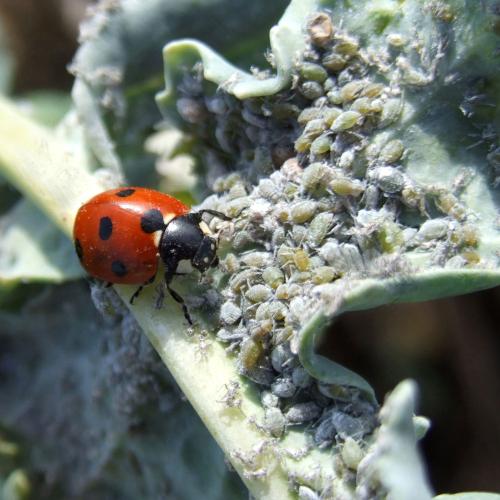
(105, 228)
(79, 249)
(119, 268)
(152, 221)
(125, 192)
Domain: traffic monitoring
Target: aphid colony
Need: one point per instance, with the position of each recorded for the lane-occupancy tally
(330, 201)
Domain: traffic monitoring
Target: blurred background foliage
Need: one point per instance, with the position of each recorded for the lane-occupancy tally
(450, 347)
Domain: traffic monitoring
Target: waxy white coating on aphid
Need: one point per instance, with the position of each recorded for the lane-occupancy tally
(283, 388)
(273, 276)
(306, 493)
(237, 191)
(274, 422)
(268, 190)
(343, 257)
(278, 310)
(258, 293)
(230, 263)
(257, 259)
(269, 400)
(396, 40)
(433, 229)
(241, 280)
(346, 159)
(236, 206)
(302, 412)
(230, 313)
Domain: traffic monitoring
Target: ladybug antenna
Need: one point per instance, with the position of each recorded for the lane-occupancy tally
(215, 213)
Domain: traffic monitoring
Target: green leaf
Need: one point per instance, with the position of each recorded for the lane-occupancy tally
(132, 435)
(33, 249)
(393, 458)
(287, 43)
(115, 98)
(45, 107)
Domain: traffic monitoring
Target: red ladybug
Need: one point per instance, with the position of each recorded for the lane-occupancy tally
(120, 234)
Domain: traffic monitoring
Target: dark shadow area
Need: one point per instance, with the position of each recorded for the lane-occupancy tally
(452, 349)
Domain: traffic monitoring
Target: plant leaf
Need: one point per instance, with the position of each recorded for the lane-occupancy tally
(33, 249)
(393, 458)
(115, 100)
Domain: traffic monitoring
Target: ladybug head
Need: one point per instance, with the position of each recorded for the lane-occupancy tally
(187, 237)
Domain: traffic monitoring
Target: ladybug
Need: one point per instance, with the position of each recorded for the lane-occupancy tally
(121, 234)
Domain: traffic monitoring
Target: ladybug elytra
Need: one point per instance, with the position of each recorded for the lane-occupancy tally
(121, 234)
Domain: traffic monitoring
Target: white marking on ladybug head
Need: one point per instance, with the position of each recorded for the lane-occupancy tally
(205, 229)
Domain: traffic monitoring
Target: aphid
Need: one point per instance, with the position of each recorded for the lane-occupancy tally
(303, 211)
(283, 388)
(312, 71)
(352, 453)
(119, 236)
(274, 422)
(321, 145)
(315, 177)
(302, 412)
(258, 293)
(389, 179)
(311, 90)
(392, 151)
(320, 29)
(273, 276)
(334, 62)
(346, 120)
(230, 313)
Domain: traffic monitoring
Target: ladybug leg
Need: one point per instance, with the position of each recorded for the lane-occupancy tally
(139, 290)
(160, 296)
(178, 298)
